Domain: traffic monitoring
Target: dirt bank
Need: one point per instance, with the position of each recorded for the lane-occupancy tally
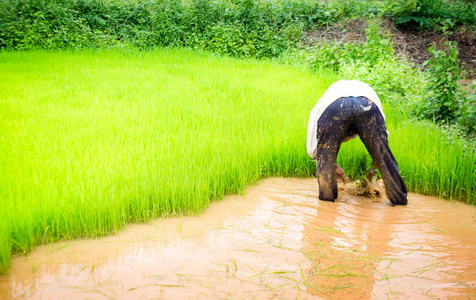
(277, 241)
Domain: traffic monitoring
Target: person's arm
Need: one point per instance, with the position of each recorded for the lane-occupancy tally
(341, 174)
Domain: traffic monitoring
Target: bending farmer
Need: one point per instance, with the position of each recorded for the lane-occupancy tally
(349, 108)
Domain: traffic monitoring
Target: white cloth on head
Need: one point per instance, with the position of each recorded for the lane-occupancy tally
(339, 89)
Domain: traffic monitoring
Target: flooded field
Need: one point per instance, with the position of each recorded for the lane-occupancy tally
(276, 241)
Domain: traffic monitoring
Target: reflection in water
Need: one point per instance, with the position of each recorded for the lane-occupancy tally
(278, 241)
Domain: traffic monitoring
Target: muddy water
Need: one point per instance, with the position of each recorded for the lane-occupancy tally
(277, 241)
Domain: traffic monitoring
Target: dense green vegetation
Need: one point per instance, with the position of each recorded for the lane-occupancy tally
(239, 27)
(435, 95)
(112, 129)
(258, 28)
(448, 101)
(432, 14)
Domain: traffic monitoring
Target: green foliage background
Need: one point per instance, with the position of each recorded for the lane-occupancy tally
(238, 27)
(432, 14)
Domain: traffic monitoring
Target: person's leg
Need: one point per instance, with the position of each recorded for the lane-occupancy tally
(332, 128)
(326, 169)
(373, 133)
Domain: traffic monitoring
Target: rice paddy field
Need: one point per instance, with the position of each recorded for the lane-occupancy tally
(93, 140)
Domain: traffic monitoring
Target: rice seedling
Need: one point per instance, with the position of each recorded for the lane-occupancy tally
(93, 140)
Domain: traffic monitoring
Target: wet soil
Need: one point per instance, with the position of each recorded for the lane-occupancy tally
(276, 241)
(409, 43)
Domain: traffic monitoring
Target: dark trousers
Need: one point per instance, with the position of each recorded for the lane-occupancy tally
(355, 115)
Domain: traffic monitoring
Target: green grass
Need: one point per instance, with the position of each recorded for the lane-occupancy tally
(93, 140)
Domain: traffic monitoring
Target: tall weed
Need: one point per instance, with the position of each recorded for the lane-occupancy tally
(445, 93)
(447, 101)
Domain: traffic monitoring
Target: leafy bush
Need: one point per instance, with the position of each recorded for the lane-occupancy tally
(445, 93)
(394, 78)
(41, 23)
(432, 14)
(241, 27)
(256, 28)
(447, 100)
(468, 118)
(436, 95)
(377, 47)
(238, 27)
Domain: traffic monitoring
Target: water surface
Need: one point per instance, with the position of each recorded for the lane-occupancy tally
(276, 241)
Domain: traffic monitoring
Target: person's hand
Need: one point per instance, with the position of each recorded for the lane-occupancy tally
(371, 174)
(341, 174)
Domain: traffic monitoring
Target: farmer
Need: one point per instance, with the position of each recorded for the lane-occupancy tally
(349, 108)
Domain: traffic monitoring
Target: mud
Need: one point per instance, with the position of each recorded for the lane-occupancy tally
(277, 241)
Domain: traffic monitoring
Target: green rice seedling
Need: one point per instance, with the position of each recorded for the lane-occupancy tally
(93, 140)
(430, 164)
(5, 246)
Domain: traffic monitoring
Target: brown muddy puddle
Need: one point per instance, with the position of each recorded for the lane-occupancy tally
(277, 241)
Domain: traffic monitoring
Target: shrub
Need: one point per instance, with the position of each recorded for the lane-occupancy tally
(468, 118)
(377, 47)
(447, 100)
(255, 28)
(41, 24)
(394, 78)
(445, 93)
(432, 14)
(239, 27)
